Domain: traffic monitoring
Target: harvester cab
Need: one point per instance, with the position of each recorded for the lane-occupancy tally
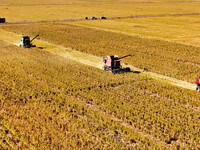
(113, 64)
(26, 42)
(198, 84)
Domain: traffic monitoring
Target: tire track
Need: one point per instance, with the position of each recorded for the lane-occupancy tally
(109, 18)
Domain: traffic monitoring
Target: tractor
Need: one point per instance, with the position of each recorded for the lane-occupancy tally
(198, 84)
(113, 64)
(26, 42)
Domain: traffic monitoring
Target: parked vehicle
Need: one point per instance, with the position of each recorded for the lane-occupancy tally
(103, 17)
(93, 18)
(2, 20)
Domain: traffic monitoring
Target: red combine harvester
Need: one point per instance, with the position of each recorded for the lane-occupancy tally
(198, 84)
(113, 64)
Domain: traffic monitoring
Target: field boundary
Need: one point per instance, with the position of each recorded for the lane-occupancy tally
(109, 18)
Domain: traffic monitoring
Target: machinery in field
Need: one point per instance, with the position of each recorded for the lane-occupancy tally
(2, 20)
(93, 18)
(103, 17)
(26, 42)
(198, 84)
(113, 64)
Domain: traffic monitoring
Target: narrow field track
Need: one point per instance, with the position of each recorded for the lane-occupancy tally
(109, 18)
(88, 59)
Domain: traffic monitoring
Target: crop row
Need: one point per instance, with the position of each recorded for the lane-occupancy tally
(167, 58)
(41, 114)
(151, 106)
(44, 118)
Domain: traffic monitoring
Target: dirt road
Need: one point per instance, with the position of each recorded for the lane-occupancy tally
(109, 18)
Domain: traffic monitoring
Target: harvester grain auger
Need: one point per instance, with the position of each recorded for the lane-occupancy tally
(26, 42)
(113, 64)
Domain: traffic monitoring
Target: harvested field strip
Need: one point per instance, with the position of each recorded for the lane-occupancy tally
(109, 18)
(88, 59)
(62, 12)
(167, 58)
(138, 105)
(182, 29)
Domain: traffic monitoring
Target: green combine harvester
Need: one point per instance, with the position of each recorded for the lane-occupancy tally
(25, 42)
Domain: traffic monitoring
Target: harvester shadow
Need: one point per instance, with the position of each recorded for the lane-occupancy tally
(41, 47)
(136, 72)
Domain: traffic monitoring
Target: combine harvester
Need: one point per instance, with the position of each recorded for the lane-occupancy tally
(113, 64)
(25, 42)
(198, 84)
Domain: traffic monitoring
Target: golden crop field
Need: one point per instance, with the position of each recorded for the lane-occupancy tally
(25, 2)
(54, 11)
(182, 29)
(167, 58)
(56, 95)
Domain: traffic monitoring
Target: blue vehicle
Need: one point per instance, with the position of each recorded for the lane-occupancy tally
(93, 18)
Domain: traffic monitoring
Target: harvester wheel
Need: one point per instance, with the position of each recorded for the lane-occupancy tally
(198, 88)
(128, 69)
(104, 67)
(114, 71)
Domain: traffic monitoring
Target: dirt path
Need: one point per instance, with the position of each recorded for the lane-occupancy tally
(109, 18)
(88, 59)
